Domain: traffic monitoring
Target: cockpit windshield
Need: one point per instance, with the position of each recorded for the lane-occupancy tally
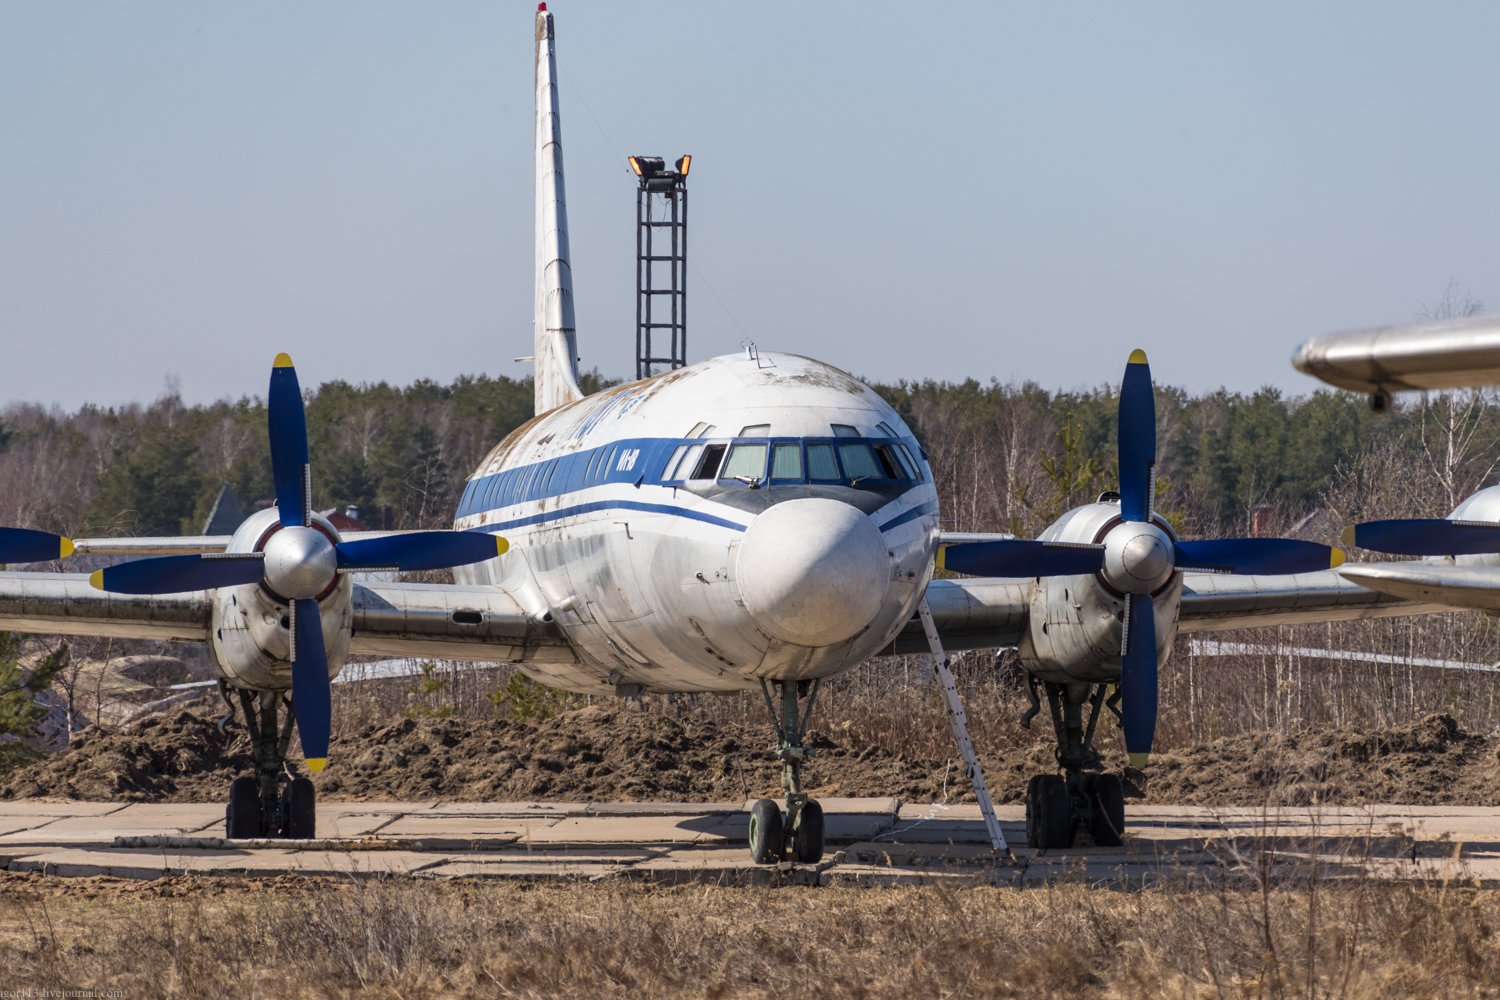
(842, 460)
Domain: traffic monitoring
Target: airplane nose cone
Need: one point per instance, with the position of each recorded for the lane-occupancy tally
(813, 572)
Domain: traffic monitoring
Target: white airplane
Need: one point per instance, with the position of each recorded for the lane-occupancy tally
(754, 521)
(1463, 568)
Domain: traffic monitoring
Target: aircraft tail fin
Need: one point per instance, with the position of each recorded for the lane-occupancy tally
(556, 348)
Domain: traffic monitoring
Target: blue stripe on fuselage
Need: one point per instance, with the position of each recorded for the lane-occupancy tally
(632, 461)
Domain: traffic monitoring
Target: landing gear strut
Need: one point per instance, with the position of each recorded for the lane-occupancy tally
(1058, 805)
(271, 803)
(798, 830)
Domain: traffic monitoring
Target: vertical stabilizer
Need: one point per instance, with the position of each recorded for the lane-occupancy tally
(556, 351)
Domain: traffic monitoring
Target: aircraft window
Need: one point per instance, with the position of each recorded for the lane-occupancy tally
(551, 473)
(698, 429)
(755, 431)
(889, 463)
(672, 462)
(844, 431)
(886, 429)
(907, 470)
(708, 465)
(821, 465)
(916, 466)
(748, 460)
(859, 462)
(688, 463)
(786, 462)
(707, 431)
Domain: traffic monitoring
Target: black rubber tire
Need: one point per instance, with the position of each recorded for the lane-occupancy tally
(1049, 824)
(242, 815)
(1107, 797)
(1032, 808)
(300, 807)
(807, 838)
(767, 833)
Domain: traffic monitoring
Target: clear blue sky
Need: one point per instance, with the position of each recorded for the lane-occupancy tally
(1024, 191)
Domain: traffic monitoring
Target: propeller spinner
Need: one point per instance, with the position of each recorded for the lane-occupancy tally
(298, 562)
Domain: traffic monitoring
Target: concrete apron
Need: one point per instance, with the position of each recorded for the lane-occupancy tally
(871, 842)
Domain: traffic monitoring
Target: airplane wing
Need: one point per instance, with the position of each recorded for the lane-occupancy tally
(65, 604)
(1444, 354)
(1212, 602)
(390, 619)
(970, 614)
(1454, 587)
(979, 613)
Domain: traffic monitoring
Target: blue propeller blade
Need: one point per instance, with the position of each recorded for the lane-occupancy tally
(1137, 438)
(1427, 537)
(1019, 558)
(1138, 678)
(178, 574)
(22, 545)
(1256, 555)
(417, 550)
(288, 428)
(311, 701)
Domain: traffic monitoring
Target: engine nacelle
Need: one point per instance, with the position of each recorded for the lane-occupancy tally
(1077, 622)
(1481, 506)
(251, 635)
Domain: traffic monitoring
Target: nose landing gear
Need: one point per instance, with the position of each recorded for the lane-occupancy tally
(799, 829)
(271, 803)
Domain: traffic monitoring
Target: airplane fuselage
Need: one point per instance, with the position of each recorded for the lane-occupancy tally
(750, 516)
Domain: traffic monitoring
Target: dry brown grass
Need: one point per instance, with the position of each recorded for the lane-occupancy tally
(403, 938)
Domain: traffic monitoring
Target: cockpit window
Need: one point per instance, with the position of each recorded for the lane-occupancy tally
(822, 467)
(755, 431)
(844, 431)
(859, 462)
(746, 461)
(697, 430)
(708, 465)
(786, 462)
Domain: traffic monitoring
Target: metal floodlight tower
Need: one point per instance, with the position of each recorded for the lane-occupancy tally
(660, 270)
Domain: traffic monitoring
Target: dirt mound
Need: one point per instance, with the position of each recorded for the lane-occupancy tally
(181, 758)
(1431, 761)
(624, 753)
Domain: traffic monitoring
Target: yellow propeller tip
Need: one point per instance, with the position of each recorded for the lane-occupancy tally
(501, 546)
(96, 579)
(64, 548)
(1348, 536)
(316, 764)
(283, 360)
(1337, 560)
(1139, 760)
(1137, 357)
(942, 554)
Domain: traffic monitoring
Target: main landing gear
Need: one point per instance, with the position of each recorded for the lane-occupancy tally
(271, 803)
(798, 830)
(1057, 806)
